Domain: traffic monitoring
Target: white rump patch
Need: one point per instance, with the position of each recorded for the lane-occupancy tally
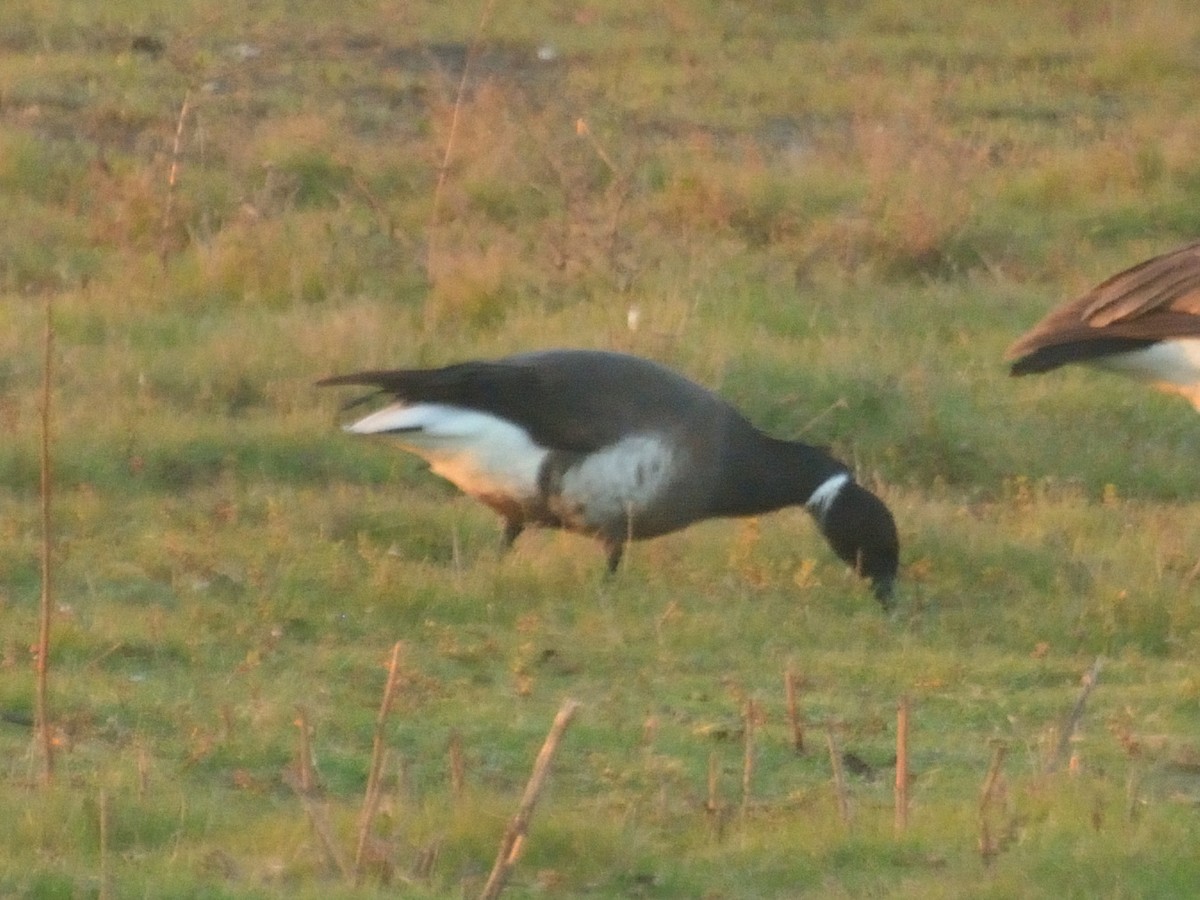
(826, 493)
(621, 479)
(477, 452)
(1172, 365)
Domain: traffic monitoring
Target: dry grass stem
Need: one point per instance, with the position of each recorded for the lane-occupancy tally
(582, 129)
(513, 841)
(902, 805)
(378, 757)
(426, 861)
(712, 806)
(102, 813)
(304, 763)
(318, 815)
(1133, 796)
(46, 605)
(447, 156)
(993, 776)
(458, 766)
(303, 781)
(143, 770)
(173, 178)
(1193, 573)
(748, 716)
(456, 552)
(1067, 732)
(841, 792)
(671, 612)
(989, 844)
(839, 403)
(791, 687)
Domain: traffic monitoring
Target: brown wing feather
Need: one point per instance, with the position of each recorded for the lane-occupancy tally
(1156, 299)
(1167, 282)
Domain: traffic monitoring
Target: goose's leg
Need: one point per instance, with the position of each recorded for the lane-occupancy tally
(512, 529)
(615, 549)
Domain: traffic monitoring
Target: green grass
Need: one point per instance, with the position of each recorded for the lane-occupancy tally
(838, 215)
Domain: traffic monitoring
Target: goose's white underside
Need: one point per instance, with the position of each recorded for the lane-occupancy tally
(486, 456)
(1172, 366)
(478, 453)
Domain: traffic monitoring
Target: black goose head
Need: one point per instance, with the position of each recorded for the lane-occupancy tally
(861, 530)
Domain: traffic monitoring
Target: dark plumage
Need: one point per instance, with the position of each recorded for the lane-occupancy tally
(1143, 322)
(619, 448)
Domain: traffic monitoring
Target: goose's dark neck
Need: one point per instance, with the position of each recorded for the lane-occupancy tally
(762, 474)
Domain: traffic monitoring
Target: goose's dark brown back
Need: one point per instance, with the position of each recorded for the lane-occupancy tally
(1155, 300)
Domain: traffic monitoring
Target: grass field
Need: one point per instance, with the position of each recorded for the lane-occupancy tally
(837, 215)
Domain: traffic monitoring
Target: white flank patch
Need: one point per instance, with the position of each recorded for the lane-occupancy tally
(822, 498)
(1174, 362)
(477, 452)
(1172, 365)
(621, 479)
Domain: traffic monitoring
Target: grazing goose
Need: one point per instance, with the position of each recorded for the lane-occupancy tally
(619, 448)
(1143, 322)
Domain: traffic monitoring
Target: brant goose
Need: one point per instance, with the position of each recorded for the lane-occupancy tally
(1143, 322)
(619, 448)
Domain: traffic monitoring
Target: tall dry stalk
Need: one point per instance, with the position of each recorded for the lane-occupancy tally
(102, 813)
(305, 777)
(378, 754)
(318, 817)
(749, 715)
(841, 792)
(902, 765)
(989, 843)
(303, 780)
(448, 155)
(1071, 724)
(46, 605)
(458, 765)
(513, 843)
(172, 179)
(791, 688)
(713, 808)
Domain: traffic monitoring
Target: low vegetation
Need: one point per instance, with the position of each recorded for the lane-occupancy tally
(837, 215)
